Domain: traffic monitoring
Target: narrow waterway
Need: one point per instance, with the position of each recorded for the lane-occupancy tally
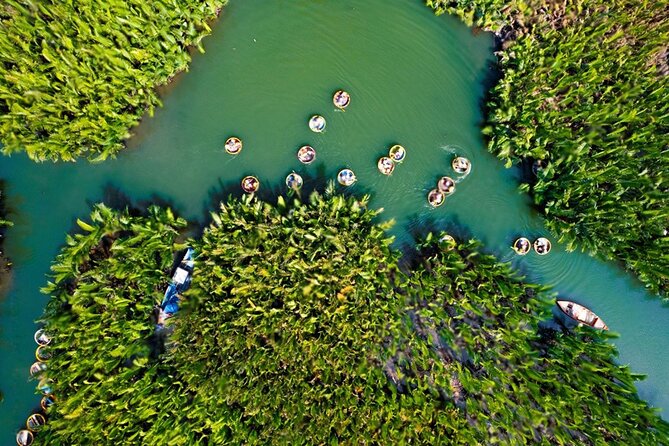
(414, 78)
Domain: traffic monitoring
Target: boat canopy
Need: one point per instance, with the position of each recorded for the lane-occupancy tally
(180, 276)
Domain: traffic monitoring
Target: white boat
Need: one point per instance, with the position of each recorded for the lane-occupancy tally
(581, 314)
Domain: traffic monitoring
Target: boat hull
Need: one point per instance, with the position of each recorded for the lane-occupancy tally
(581, 314)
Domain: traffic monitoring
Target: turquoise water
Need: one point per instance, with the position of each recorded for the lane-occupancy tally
(414, 78)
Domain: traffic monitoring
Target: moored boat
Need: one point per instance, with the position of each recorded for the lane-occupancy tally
(42, 354)
(24, 438)
(184, 271)
(180, 282)
(37, 368)
(35, 422)
(581, 314)
(47, 401)
(41, 338)
(447, 242)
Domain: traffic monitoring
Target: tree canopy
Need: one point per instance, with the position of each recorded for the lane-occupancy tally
(301, 328)
(75, 77)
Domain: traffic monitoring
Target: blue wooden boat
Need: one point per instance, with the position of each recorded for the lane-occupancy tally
(181, 280)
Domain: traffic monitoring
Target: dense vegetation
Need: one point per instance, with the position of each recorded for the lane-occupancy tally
(584, 92)
(301, 328)
(75, 77)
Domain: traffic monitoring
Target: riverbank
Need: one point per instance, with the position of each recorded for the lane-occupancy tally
(581, 100)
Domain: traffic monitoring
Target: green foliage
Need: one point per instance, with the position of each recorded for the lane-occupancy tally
(515, 379)
(106, 282)
(75, 77)
(585, 91)
(300, 328)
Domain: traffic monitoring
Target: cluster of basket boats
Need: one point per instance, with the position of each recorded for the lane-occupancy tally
(35, 421)
(346, 177)
(179, 283)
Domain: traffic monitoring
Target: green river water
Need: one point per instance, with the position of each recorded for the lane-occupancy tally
(414, 78)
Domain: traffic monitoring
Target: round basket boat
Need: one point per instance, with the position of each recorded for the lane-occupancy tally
(42, 354)
(446, 185)
(306, 154)
(37, 368)
(447, 241)
(250, 184)
(24, 438)
(233, 145)
(47, 401)
(341, 99)
(522, 246)
(397, 153)
(542, 246)
(317, 123)
(538, 166)
(35, 422)
(346, 177)
(294, 181)
(435, 198)
(41, 337)
(385, 165)
(461, 165)
(44, 386)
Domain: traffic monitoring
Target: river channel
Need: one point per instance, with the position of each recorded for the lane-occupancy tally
(414, 79)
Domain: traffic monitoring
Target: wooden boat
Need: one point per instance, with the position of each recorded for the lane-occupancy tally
(41, 338)
(233, 145)
(542, 246)
(346, 177)
(250, 184)
(435, 198)
(35, 422)
(446, 185)
(385, 165)
(306, 154)
(37, 368)
(581, 314)
(341, 99)
(461, 165)
(24, 438)
(294, 181)
(397, 153)
(42, 354)
(522, 246)
(47, 401)
(317, 123)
